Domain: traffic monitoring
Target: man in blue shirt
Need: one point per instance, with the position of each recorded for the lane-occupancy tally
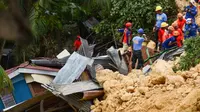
(191, 11)
(160, 17)
(191, 29)
(137, 46)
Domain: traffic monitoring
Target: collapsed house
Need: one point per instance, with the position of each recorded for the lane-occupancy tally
(70, 78)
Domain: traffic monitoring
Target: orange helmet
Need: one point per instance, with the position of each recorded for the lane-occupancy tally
(171, 28)
(128, 24)
(176, 33)
(179, 15)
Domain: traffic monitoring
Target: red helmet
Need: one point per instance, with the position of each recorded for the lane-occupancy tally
(128, 24)
(78, 36)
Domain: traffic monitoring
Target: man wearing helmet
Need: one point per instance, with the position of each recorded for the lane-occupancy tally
(173, 41)
(160, 18)
(126, 36)
(161, 32)
(137, 46)
(191, 10)
(176, 28)
(191, 29)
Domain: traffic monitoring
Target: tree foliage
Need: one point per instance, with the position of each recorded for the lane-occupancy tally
(192, 57)
(5, 82)
(141, 12)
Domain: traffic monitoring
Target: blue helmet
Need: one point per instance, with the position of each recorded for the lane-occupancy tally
(140, 31)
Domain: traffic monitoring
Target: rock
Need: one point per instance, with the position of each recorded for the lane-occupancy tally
(143, 90)
(176, 80)
(170, 87)
(162, 67)
(158, 80)
(130, 89)
(126, 97)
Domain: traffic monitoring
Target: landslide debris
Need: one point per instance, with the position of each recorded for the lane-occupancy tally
(161, 91)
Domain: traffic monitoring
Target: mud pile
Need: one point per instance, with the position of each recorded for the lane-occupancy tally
(161, 91)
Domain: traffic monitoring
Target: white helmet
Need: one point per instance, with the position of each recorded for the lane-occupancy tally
(193, 2)
(189, 20)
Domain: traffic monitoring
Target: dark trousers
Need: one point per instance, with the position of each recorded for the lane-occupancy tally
(137, 55)
(156, 37)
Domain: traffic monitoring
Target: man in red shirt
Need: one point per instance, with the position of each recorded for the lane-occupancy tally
(180, 21)
(168, 33)
(176, 28)
(126, 36)
(77, 43)
(161, 32)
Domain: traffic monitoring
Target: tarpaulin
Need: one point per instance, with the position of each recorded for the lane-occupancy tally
(118, 60)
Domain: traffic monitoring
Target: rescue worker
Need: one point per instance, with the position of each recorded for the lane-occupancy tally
(191, 29)
(77, 43)
(160, 17)
(180, 21)
(191, 10)
(168, 33)
(161, 32)
(171, 42)
(126, 36)
(176, 28)
(137, 46)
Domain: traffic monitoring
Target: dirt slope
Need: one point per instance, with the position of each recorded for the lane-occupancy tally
(161, 91)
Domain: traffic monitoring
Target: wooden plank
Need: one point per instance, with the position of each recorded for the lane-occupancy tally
(58, 108)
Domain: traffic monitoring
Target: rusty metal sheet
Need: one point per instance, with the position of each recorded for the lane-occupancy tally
(90, 95)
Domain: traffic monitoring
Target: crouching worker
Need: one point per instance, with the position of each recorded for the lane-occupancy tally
(173, 41)
(137, 46)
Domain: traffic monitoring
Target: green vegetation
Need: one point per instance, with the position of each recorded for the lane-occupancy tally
(55, 23)
(192, 57)
(141, 12)
(5, 82)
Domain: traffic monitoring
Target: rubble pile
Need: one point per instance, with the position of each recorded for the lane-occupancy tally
(161, 90)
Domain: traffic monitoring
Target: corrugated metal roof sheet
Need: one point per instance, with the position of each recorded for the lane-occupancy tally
(28, 66)
(76, 87)
(73, 68)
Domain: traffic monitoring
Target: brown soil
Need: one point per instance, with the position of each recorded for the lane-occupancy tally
(161, 91)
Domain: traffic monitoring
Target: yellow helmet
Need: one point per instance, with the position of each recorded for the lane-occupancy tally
(158, 8)
(164, 24)
(176, 33)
